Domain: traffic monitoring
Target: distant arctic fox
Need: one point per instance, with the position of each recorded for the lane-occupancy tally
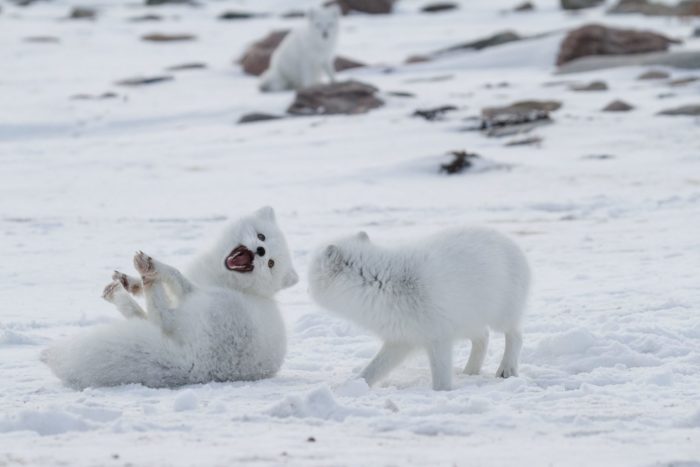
(453, 285)
(222, 326)
(305, 53)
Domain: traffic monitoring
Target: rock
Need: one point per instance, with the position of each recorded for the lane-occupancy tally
(497, 39)
(579, 4)
(161, 37)
(645, 7)
(373, 7)
(528, 141)
(683, 59)
(256, 59)
(343, 63)
(683, 81)
(142, 81)
(400, 94)
(435, 113)
(257, 117)
(145, 18)
(438, 7)
(696, 32)
(293, 14)
(81, 12)
(461, 160)
(187, 66)
(233, 15)
(519, 117)
(594, 39)
(168, 2)
(525, 6)
(42, 39)
(618, 106)
(654, 74)
(692, 110)
(347, 97)
(592, 86)
(104, 95)
(417, 59)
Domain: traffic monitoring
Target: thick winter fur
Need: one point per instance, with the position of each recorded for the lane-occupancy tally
(215, 324)
(305, 53)
(453, 285)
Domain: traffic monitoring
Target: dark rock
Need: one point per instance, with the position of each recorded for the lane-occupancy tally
(685, 59)
(142, 81)
(168, 2)
(519, 117)
(347, 97)
(104, 95)
(461, 160)
(293, 14)
(81, 12)
(618, 106)
(400, 94)
(160, 37)
(654, 74)
(525, 6)
(42, 39)
(579, 4)
(145, 18)
(436, 113)
(374, 7)
(256, 59)
(594, 39)
(438, 7)
(233, 15)
(692, 110)
(684, 81)
(528, 141)
(592, 86)
(258, 117)
(343, 63)
(599, 157)
(187, 66)
(417, 59)
(491, 41)
(696, 32)
(645, 7)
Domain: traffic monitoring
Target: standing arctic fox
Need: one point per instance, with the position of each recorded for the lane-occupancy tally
(453, 285)
(222, 326)
(305, 53)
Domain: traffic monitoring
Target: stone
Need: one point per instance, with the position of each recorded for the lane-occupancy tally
(439, 7)
(525, 6)
(645, 7)
(81, 12)
(373, 7)
(435, 113)
(692, 110)
(187, 66)
(168, 2)
(654, 74)
(234, 15)
(461, 161)
(684, 59)
(417, 59)
(618, 106)
(579, 4)
(527, 141)
(258, 117)
(344, 63)
(519, 117)
(683, 81)
(161, 37)
(142, 81)
(592, 86)
(500, 38)
(595, 39)
(347, 97)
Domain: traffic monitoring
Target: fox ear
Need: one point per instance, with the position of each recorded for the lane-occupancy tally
(290, 279)
(266, 213)
(362, 235)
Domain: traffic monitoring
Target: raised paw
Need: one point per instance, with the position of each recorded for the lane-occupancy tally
(131, 284)
(145, 266)
(111, 290)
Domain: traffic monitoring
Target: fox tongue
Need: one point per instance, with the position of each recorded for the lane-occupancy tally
(238, 261)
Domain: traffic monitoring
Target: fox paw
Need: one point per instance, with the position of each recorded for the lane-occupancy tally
(111, 290)
(131, 284)
(506, 371)
(145, 265)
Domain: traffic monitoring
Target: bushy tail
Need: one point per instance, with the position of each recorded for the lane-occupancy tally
(133, 351)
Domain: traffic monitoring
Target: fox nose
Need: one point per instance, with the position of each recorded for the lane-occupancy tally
(325, 34)
(260, 251)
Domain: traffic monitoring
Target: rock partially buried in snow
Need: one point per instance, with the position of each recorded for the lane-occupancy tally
(653, 74)
(461, 160)
(525, 6)
(258, 117)
(692, 110)
(519, 117)
(373, 7)
(435, 113)
(142, 81)
(645, 7)
(346, 97)
(579, 4)
(595, 39)
(618, 106)
(256, 59)
(161, 37)
(439, 7)
(235, 15)
(685, 59)
(187, 66)
(81, 12)
(592, 86)
(499, 38)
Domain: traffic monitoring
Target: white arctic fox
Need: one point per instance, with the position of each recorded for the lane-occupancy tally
(453, 285)
(222, 326)
(305, 53)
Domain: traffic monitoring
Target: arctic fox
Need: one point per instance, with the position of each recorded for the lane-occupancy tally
(304, 53)
(220, 323)
(453, 285)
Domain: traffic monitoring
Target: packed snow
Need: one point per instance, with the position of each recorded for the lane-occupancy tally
(606, 206)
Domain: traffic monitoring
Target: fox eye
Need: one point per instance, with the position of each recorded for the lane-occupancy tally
(261, 237)
(271, 263)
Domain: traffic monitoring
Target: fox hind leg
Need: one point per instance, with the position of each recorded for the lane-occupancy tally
(116, 294)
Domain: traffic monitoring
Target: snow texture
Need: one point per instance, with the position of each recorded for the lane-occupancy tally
(607, 208)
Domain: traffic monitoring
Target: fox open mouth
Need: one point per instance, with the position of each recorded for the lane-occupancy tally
(240, 260)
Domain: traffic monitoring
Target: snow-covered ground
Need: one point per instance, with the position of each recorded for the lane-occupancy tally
(610, 371)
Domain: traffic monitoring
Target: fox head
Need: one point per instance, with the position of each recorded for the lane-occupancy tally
(323, 22)
(251, 256)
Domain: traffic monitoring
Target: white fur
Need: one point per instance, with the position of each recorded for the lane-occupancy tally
(222, 326)
(305, 53)
(453, 285)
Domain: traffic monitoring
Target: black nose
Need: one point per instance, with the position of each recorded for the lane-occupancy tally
(260, 251)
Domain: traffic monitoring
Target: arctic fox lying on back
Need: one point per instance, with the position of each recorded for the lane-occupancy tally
(305, 53)
(223, 326)
(453, 285)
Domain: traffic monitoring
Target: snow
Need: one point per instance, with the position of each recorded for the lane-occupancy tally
(610, 371)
